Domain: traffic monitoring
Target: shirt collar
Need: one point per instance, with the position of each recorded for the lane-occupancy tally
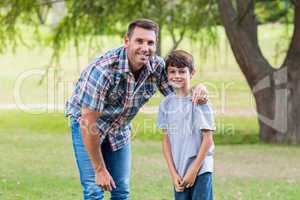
(124, 64)
(123, 61)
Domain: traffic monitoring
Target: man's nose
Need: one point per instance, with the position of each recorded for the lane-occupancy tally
(144, 47)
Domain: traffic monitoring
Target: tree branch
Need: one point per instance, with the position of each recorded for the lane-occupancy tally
(292, 59)
(50, 2)
(242, 35)
(176, 42)
(246, 18)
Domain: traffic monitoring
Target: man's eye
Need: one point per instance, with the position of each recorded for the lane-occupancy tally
(151, 43)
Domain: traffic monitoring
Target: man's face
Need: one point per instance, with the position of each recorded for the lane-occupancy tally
(179, 78)
(140, 47)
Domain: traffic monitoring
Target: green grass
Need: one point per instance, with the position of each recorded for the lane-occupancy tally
(230, 130)
(37, 165)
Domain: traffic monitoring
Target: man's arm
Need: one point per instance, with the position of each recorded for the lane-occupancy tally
(207, 142)
(91, 140)
(169, 159)
(199, 94)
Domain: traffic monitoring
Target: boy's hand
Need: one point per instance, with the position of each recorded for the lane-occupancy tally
(189, 178)
(177, 181)
(200, 94)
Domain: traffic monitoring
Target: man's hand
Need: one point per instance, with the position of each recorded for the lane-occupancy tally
(200, 94)
(177, 181)
(104, 180)
(189, 178)
(91, 140)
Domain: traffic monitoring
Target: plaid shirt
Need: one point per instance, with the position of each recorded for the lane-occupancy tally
(108, 86)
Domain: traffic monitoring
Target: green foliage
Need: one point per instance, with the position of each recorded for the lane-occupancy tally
(281, 11)
(85, 20)
(12, 13)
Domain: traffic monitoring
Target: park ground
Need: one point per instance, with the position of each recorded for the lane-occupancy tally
(37, 163)
(36, 157)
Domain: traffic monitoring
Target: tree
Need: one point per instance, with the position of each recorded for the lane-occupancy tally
(85, 20)
(179, 18)
(276, 91)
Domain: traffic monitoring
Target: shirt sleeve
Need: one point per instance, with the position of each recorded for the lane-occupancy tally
(162, 81)
(161, 117)
(94, 89)
(204, 117)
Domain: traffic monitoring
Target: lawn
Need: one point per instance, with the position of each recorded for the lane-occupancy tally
(37, 163)
(41, 166)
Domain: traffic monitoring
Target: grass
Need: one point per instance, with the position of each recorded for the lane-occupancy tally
(38, 164)
(230, 130)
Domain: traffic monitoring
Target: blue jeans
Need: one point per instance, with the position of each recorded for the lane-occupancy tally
(118, 164)
(201, 190)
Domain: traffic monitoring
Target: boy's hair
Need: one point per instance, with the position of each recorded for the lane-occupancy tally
(180, 59)
(143, 23)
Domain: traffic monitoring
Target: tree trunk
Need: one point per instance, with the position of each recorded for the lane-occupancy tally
(276, 91)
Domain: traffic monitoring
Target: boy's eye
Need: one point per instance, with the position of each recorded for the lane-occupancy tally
(182, 71)
(140, 41)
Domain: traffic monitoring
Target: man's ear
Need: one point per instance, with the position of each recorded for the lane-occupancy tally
(126, 41)
(194, 72)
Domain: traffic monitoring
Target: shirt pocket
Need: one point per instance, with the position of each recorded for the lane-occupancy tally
(144, 94)
(116, 96)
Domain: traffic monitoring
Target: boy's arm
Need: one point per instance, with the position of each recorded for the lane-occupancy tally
(168, 155)
(169, 159)
(207, 142)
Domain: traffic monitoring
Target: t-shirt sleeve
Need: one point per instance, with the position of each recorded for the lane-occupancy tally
(161, 117)
(204, 117)
(94, 89)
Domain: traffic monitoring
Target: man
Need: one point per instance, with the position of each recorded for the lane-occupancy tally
(107, 96)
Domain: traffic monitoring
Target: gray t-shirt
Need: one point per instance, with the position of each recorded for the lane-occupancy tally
(184, 121)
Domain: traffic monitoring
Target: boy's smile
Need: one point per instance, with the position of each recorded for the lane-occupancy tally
(179, 78)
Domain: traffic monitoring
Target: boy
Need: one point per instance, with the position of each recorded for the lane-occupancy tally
(187, 142)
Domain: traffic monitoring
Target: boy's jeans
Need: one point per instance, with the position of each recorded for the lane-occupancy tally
(201, 190)
(118, 163)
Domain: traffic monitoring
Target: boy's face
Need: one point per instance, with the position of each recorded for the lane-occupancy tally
(179, 78)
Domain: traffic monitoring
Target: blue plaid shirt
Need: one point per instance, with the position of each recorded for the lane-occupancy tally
(108, 86)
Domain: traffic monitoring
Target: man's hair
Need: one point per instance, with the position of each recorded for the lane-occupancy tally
(180, 59)
(143, 23)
